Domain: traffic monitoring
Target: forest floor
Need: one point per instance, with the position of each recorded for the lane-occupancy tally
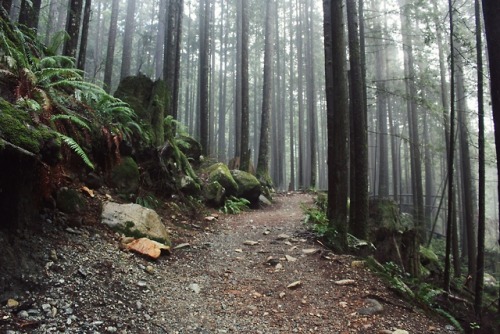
(256, 272)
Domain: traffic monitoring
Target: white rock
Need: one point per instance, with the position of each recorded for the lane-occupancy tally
(145, 221)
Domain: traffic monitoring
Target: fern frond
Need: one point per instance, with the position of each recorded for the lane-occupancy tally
(75, 119)
(57, 40)
(76, 148)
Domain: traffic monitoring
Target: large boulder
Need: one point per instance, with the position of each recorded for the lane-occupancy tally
(214, 193)
(136, 221)
(248, 186)
(219, 172)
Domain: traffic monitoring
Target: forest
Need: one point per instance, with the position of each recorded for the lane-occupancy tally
(382, 106)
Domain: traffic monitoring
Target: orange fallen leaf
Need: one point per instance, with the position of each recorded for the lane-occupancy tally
(147, 247)
(88, 191)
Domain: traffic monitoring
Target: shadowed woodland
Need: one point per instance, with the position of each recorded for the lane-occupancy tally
(388, 111)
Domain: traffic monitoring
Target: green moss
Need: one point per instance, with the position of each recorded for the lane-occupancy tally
(125, 176)
(219, 172)
(129, 231)
(16, 127)
(69, 201)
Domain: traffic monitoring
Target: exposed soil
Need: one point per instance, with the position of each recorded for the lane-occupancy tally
(232, 278)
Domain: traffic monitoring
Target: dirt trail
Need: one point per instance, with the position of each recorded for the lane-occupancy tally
(232, 279)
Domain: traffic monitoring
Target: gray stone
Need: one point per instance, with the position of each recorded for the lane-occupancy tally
(248, 186)
(134, 220)
(264, 201)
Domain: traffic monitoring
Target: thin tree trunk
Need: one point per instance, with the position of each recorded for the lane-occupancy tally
(110, 53)
(245, 112)
(262, 171)
(30, 13)
(416, 165)
(203, 76)
(359, 160)
(300, 100)
(128, 38)
(481, 221)
(466, 173)
(311, 98)
(82, 56)
(337, 119)
(450, 222)
(73, 28)
(291, 98)
(221, 136)
(160, 38)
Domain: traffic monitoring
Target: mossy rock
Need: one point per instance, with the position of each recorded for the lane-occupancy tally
(137, 92)
(430, 261)
(17, 128)
(156, 109)
(192, 149)
(188, 185)
(384, 213)
(69, 200)
(214, 193)
(125, 176)
(248, 186)
(220, 172)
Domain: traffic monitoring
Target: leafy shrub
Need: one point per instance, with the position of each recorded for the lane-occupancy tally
(148, 201)
(234, 205)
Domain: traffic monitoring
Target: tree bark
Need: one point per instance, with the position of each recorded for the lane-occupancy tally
(203, 77)
(337, 119)
(82, 55)
(73, 28)
(359, 160)
(262, 171)
(466, 172)
(245, 113)
(481, 221)
(30, 13)
(128, 38)
(110, 53)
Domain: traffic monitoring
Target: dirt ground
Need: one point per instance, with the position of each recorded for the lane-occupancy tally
(256, 272)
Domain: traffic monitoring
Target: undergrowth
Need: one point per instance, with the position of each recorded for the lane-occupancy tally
(234, 205)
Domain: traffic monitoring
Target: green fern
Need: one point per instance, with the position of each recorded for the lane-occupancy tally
(76, 148)
(234, 205)
(75, 119)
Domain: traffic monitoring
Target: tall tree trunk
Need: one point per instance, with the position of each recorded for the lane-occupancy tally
(262, 171)
(491, 13)
(30, 13)
(128, 38)
(237, 91)
(311, 97)
(466, 173)
(73, 28)
(6, 5)
(97, 53)
(49, 28)
(337, 119)
(450, 224)
(481, 221)
(110, 53)
(245, 113)
(203, 77)
(160, 38)
(300, 100)
(82, 55)
(221, 136)
(383, 154)
(416, 165)
(359, 160)
(291, 98)
(171, 65)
